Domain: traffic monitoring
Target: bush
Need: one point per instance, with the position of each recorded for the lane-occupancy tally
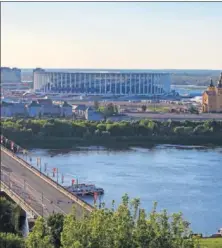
(23, 130)
(10, 240)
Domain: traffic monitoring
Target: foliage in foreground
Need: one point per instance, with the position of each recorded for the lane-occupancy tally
(9, 216)
(39, 237)
(126, 227)
(10, 240)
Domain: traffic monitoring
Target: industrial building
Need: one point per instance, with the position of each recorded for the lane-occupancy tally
(102, 82)
(10, 78)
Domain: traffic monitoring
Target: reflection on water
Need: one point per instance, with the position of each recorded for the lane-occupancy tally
(187, 179)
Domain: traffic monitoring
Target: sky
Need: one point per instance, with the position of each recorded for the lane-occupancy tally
(130, 35)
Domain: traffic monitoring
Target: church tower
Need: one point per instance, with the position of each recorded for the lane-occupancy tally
(212, 97)
(211, 87)
(219, 85)
(219, 94)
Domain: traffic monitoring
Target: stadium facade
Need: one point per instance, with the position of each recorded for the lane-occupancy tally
(102, 82)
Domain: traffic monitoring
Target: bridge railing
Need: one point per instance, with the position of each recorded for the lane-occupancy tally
(14, 195)
(47, 179)
(21, 191)
(37, 200)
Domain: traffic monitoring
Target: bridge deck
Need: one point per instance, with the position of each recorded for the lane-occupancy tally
(42, 196)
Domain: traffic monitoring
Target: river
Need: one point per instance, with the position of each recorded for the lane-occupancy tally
(186, 179)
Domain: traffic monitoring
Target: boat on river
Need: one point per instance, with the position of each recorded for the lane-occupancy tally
(85, 189)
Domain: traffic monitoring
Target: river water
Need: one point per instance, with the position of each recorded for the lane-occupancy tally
(187, 179)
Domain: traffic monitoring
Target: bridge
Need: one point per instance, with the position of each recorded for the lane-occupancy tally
(35, 192)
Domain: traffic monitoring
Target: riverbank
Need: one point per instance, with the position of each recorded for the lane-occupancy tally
(113, 142)
(64, 134)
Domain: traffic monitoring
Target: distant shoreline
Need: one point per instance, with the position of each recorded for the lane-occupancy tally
(67, 134)
(116, 143)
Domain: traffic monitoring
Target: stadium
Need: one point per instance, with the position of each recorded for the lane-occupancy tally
(119, 83)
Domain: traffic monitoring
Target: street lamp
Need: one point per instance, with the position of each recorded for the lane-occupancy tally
(38, 161)
(42, 205)
(9, 179)
(57, 175)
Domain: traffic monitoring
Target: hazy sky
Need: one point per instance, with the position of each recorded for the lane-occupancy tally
(112, 35)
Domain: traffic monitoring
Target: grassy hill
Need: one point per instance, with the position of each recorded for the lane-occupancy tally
(211, 243)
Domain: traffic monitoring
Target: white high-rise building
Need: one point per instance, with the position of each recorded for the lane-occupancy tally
(10, 78)
(102, 82)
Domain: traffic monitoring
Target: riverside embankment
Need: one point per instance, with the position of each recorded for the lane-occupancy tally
(64, 134)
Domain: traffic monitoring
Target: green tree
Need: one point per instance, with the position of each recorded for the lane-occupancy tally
(55, 224)
(143, 108)
(127, 227)
(40, 235)
(101, 127)
(193, 110)
(179, 130)
(9, 216)
(10, 240)
(74, 232)
(25, 132)
(116, 109)
(152, 126)
(200, 129)
(96, 105)
(109, 110)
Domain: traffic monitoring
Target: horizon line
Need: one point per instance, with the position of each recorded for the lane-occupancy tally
(91, 68)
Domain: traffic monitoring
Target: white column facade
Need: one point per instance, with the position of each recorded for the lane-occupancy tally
(119, 83)
(100, 83)
(139, 84)
(130, 84)
(84, 78)
(105, 85)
